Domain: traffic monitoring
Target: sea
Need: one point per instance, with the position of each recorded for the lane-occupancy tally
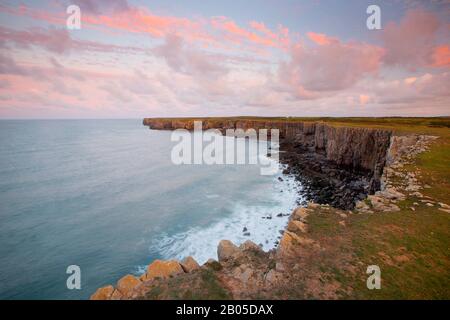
(107, 197)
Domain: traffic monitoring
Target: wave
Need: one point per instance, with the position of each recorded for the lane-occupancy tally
(259, 223)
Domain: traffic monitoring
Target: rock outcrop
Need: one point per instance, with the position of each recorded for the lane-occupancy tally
(227, 250)
(162, 269)
(352, 147)
(189, 264)
(395, 182)
(336, 165)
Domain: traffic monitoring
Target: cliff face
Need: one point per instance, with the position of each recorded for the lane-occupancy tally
(352, 148)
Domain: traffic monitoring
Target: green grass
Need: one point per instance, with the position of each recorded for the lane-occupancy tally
(412, 248)
(402, 124)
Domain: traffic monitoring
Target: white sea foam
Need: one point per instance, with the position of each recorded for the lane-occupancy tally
(261, 221)
(201, 243)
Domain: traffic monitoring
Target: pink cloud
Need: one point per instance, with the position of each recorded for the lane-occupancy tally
(181, 58)
(124, 17)
(363, 99)
(57, 40)
(101, 6)
(321, 39)
(187, 72)
(144, 21)
(411, 42)
(263, 35)
(441, 56)
(331, 66)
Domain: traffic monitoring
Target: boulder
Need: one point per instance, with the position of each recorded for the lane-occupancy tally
(296, 226)
(381, 204)
(117, 295)
(162, 269)
(300, 214)
(392, 194)
(103, 293)
(443, 205)
(189, 264)
(127, 283)
(227, 250)
(313, 205)
(291, 242)
(250, 245)
(273, 276)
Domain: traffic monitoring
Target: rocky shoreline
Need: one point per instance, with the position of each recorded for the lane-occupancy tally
(323, 181)
(247, 272)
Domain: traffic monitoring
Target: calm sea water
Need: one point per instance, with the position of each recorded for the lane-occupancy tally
(104, 195)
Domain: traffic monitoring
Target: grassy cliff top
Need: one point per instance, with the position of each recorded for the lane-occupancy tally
(424, 125)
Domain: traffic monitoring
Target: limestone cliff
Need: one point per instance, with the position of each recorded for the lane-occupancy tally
(360, 148)
(338, 165)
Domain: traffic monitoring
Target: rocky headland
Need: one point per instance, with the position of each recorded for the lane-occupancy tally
(336, 165)
(349, 171)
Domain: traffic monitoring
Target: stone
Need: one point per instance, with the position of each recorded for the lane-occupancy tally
(127, 283)
(391, 194)
(103, 293)
(243, 274)
(290, 242)
(189, 264)
(162, 269)
(279, 266)
(444, 210)
(116, 295)
(273, 276)
(443, 205)
(381, 204)
(227, 250)
(250, 245)
(413, 187)
(361, 205)
(313, 205)
(296, 226)
(300, 214)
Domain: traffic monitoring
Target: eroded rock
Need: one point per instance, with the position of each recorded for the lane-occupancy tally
(127, 283)
(189, 264)
(227, 250)
(103, 293)
(162, 269)
(296, 226)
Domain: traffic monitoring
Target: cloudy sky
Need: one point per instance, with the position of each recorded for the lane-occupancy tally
(145, 58)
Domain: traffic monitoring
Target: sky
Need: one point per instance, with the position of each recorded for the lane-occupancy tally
(144, 58)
